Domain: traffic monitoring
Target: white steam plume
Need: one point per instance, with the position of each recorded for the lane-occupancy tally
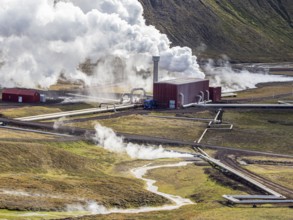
(59, 123)
(90, 206)
(42, 39)
(177, 201)
(107, 138)
(232, 80)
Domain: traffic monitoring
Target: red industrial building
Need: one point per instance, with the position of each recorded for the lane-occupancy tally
(20, 95)
(179, 92)
(215, 93)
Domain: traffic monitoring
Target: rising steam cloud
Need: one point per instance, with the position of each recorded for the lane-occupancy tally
(107, 138)
(43, 39)
(224, 75)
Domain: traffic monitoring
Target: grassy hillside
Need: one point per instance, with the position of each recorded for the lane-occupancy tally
(247, 31)
(48, 175)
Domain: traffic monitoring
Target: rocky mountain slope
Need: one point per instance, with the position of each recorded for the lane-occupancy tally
(245, 30)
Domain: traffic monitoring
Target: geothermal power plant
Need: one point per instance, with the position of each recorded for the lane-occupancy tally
(182, 92)
(129, 107)
(167, 94)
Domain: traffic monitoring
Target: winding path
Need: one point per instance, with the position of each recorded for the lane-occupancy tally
(139, 173)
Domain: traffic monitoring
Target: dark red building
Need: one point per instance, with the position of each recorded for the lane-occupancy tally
(182, 91)
(20, 95)
(215, 93)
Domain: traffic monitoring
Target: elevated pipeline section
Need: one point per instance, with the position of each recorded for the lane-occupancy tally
(216, 124)
(272, 196)
(110, 107)
(265, 106)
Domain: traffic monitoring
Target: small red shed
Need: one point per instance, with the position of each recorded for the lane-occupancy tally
(177, 92)
(216, 93)
(20, 95)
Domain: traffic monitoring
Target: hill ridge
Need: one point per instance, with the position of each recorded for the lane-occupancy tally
(246, 31)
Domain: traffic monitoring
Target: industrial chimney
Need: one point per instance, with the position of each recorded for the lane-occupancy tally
(156, 60)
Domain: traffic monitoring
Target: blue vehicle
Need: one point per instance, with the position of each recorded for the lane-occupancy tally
(149, 104)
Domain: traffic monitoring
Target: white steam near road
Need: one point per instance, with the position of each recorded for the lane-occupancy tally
(43, 39)
(107, 138)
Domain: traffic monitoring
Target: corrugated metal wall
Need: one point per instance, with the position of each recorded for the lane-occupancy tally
(215, 93)
(15, 97)
(192, 90)
(164, 92)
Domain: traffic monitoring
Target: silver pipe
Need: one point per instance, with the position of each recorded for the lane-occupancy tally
(247, 105)
(242, 176)
(182, 98)
(192, 104)
(202, 95)
(217, 115)
(208, 93)
(254, 197)
(201, 137)
(200, 99)
(136, 89)
(180, 118)
(199, 102)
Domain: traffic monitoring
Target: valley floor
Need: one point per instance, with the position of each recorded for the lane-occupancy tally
(41, 175)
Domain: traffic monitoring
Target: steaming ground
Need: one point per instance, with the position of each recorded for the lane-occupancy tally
(232, 80)
(78, 205)
(42, 40)
(107, 138)
(177, 201)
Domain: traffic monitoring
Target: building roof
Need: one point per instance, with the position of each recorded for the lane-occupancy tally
(16, 91)
(182, 81)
